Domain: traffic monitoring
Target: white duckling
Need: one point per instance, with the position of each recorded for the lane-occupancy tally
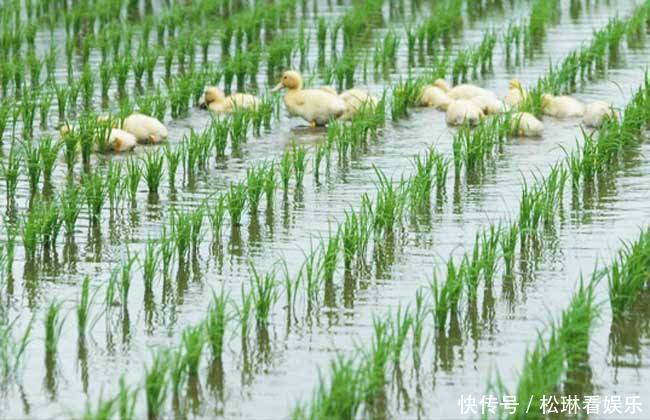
(356, 99)
(596, 112)
(462, 91)
(562, 106)
(516, 93)
(118, 140)
(433, 96)
(216, 101)
(490, 104)
(316, 106)
(525, 124)
(463, 111)
(146, 129)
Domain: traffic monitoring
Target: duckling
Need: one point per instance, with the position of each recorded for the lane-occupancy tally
(329, 89)
(462, 111)
(490, 104)
(433, 96)
(463, 91)
(216, 101)
(356, 99)
(314, 105)
(526, 125)
(596, 112)
(516, 93)
(146, 129)
(118, 140)
(562, 106)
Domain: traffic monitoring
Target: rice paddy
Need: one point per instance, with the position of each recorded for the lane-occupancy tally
(385, 266)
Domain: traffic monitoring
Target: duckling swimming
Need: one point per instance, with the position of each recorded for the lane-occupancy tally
(433, 96)
(463, 111)
(356, 99)
(462, 91)
(562, 106)
(118, 140)
(596, 112)
(146, 129)
(526, 125)
(216, 101)
(516, 93)
(490, 104)
(316, 106)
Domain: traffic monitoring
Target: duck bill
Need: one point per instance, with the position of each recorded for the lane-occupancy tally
(277, 87)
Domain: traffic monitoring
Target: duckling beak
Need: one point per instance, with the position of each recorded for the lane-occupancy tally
(277, 87)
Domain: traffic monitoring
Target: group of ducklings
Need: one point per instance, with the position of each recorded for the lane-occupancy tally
(135, 129)
(466, 103)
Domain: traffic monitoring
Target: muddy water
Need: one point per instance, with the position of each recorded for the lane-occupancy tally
(282, 367)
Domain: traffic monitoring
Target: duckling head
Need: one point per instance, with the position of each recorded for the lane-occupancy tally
(290, 80)
(212, 94)
(546, 100)
(515, 84)
(441, 84)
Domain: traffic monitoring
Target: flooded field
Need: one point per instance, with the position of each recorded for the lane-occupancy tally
(250, 266)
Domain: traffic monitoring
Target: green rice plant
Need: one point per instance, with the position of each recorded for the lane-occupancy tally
(299, 163)
(125, 278)
(10, 168)
(105, 78)
(44, 106)
(83, 307)
(240, 120)
(626, 276)
(114, 184)
(216, 323)
(508, 242)
(5, 114)
(285, 171)
(70, 207)
(377, 360)
(355, 235)
(405, 95)
(196, 222)
(329, 255)
(95, 191)
(418, 342)
(446, 296)
(220, 128)
(270, 184)
(217, 216)
(153, 170)
(53, 325)
(236, 202)
(31, 229)
(181, 228)
(12, 350)
(177, 374)
(264, 294)
(173, 158)
(421, 183)
(155, 384)
(70, 149)
(87, 82)
(32, 162)
(255, 178)
(121, 72)
(126, 401)
(401, 327)
(48, 150)
(150, 266)
(104, 410)
(194, 340)
(244, 312)
(133, 176)
(390, 203)
(51, 223)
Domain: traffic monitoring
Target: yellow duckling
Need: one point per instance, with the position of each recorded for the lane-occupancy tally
(356, 99)
(516, 93)
(118, 140)
(526, 125)
(433, 96)
(596, 112)
(463, 111)
(216, 101)
(562, 106)
(490, 104)
(316, 106)
(146, 129)
(463, 91)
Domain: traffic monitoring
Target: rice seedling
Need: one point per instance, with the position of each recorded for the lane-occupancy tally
(124, 272)
(32, 162)
(220, 128)
(155, 384)
(70, 208)
(329, 255)
(150, 266)
(193, 341)
(133, 176)
(127, 400)
(153, 170)
(31, 229)
(10, 168)
(264, 294)
(216, 323)
(95, 190)
(196, 223)
(389, 205)
(50, 224)
(181, 227)
(446, 296)
(83, 307)
(299, 163)
(405, 95)
(236, 202)
(104, 410)
(44, 105)
(626, 277)
(53, 325)
(48, 150)
(270, 184)
(255, 178)
(285, 170)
